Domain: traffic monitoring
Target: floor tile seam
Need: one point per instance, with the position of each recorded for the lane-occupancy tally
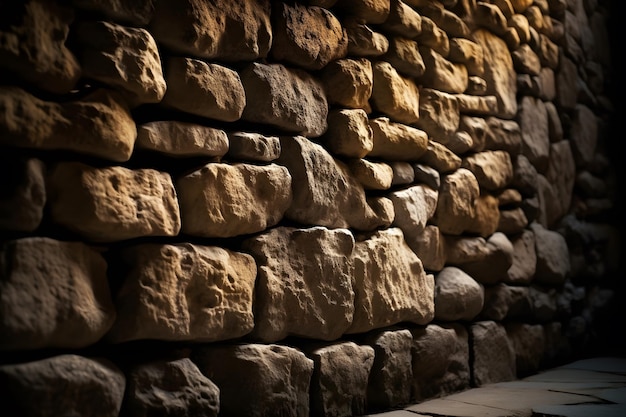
(597, 399)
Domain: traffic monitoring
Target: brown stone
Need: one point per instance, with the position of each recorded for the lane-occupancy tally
(24, 196)
(182, 139)
(394, 95)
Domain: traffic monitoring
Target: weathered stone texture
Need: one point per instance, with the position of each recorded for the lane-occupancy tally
(304, 283)
(458, 297)
(98, 125)
(63, 385)
(456, 204)
(287, 98)
(123, 203)
(172, 388)
(396, 141)
(394, 95)
(441, 360)
(181, 139)
(251, 199)
(54, 295)
(274, 379)
(32, 45)
(348, 82)
(493, 353)
(306, 36)
(221, 30)
(184, 292)
(390, 284)
(23, 198)
(339, 381)
(204, 89)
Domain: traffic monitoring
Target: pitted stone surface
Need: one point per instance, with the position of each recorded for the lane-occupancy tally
(184, 292)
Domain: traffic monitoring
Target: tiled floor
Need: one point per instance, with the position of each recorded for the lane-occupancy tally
(586, 388)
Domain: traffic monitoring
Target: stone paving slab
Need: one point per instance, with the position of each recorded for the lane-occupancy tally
(588, 388)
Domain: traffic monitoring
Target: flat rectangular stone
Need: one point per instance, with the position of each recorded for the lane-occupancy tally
(567, 375)
(449, 408)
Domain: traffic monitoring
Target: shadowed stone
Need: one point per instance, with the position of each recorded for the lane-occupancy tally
(99, 124)
(136, 12)
(522, 271)
(273, 379)
(172, 388)
(63, 385)
(54, 295)
(24, 197)
(363, 41)
(396, 141)
(457, 295)
(441, 362)
(441, 74)
(32, 45)
(553, 263)
(493, 353)
(394, 95)
(250, 146)
(339, 381)
(184, 292)
(456, 205)
(348, 82)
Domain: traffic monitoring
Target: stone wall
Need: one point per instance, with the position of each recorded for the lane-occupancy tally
(325, 207)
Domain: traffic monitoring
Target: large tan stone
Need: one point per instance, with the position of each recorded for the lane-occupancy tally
(249, 146)
(348, 82)
(23, 195)
(439, 114)
(442, 74)
(390, 284)
(223, 200)
(122, 203)
(123, 57)
(441, 158)
(340, 376)
(404, 56)
(306, 36)
(363, 41)
(370, 11)
(414, 207)
(32, 45)
(286, 98)
(430, 247)
(204, 89)
(403, 20)
(67, 384)
(396, 141)
(273, 379)
(183, 292)
(394, 95)
(54, 295)
(325, 192)
(456, 204)
(225, 30)
(98, 125)
(349, 133)
(304, 283)
(182, 139)
(175, 387)
(493, 267)
(486, 220)
(499, 72)
(493, 169)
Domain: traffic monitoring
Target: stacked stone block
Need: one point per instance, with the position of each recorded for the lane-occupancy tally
(323, 207)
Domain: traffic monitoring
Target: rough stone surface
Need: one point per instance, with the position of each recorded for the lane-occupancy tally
(325, 192)
(396, 141)
(458, 297)
(221, 30)
(456, 204)
(98, 125)
(182, 139)
(306, 36)
(522, 271)
(339, 381)
(250, 146)
(394, 95)
(391, 375)
(183, 292)
(54, 295)
(304, 283)
(439, 114)
(493, 353)
(390, 284)
(349, 133)
(172, 388)
(204, 89)
(123, 203)
(286, 98)
(123, 57)
(32, 45)
(63, 385)
(553, 261)
(493, 169)
(274, 379)
(24, 198)
(414, 207)
(251, 199)
(348, 82)
(441, 360)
